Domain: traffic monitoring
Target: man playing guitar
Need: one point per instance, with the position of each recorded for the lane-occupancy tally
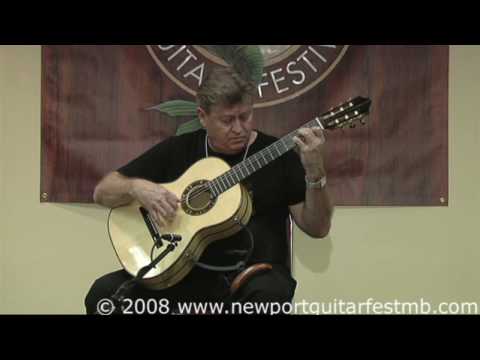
(293, 185)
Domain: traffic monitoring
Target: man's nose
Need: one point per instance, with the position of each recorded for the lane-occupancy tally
(237, 126)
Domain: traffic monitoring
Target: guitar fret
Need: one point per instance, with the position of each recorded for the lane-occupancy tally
(270, 152)
(214, 183)
(240, 169)
(257, 163)
(221, 179)
(245, 169)
(247, 162)
(277, 149)
(211, 187)
(261, 153)
(228, 181)
(254, 163)
(273, 154)
(267, 153)
(238, 179)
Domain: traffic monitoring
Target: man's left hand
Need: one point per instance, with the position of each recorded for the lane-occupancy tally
(311, 143)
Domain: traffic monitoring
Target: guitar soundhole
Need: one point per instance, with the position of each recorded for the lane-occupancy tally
(197, 199)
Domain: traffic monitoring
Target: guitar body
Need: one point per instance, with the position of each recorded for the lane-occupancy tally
(200, 221)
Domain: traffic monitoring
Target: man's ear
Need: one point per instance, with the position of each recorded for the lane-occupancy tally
(201, 115)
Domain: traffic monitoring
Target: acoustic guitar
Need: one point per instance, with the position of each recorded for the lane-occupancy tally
(214, 206)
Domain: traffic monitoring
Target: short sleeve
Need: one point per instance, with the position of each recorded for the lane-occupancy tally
(295, 187)
(152, 164)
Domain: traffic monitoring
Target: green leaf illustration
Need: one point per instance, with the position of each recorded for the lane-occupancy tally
(189, 127)
(177, 108)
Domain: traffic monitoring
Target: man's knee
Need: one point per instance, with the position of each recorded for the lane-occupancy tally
(271, 287)
(94, 295)
(103, 288)
(276, 294)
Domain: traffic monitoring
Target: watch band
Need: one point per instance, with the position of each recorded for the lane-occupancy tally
(320, 184)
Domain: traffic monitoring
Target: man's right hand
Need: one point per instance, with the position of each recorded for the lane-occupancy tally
(159, 202)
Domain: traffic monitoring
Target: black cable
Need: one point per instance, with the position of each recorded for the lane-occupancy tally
(241, 264)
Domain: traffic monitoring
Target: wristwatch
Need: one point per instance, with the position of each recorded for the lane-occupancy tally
(320, 184)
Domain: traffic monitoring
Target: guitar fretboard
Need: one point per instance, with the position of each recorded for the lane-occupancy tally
(257, 161)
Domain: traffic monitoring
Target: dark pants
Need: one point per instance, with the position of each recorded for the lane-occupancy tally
(201, 286)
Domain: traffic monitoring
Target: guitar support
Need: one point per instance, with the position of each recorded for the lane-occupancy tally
(123, 290)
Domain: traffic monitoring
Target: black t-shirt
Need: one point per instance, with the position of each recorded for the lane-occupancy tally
(273, 189)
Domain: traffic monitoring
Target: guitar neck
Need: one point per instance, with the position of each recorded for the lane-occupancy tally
(258, 161)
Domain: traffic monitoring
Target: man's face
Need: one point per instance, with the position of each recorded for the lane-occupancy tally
(229, 128)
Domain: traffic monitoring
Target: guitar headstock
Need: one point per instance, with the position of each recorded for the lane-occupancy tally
(347, 114)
